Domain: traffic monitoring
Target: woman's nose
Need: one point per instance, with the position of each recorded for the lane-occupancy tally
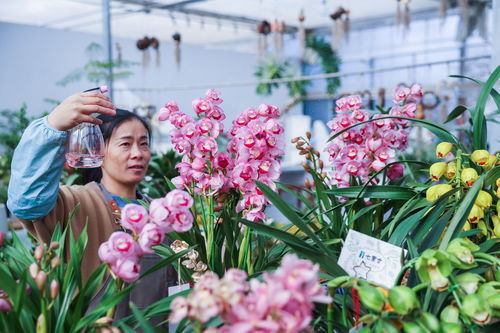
(136, 151)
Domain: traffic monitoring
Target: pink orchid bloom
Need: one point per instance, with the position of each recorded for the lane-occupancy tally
(150, 235)
(177, 199)
(201, 105)
(214, 96)
(126, 268)
(158, 213)
(134, 217)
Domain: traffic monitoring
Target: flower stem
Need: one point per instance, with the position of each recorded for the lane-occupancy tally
(243, 248)
(118, 287)
(329, 311)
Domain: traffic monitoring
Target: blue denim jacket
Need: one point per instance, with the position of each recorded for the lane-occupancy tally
(36, 170)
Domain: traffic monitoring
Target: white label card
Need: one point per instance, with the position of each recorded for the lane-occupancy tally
(177, 289)
(370, 259)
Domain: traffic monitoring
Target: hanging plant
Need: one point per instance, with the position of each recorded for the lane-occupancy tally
(274, 69)
(329, 59)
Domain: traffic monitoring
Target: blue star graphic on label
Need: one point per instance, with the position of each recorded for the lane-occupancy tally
(362, 270)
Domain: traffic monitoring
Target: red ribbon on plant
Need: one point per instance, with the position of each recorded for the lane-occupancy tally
(356, 304)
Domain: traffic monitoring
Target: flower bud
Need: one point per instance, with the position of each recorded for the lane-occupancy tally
(443, 149)
(39, 252)
(489, 288)
(497, 182)
(469, 282)
(372, 298)
(476, 214)
(451, 171)
(104, 321)
(480, 157)
(115, 329)
(412, 327)
(403, 299)
(55, 262)
(450, 314)
(5, 305)
(484, 229)
(451, 328)
(389, 327)
(341, 282)
(2, 238)
(320, 164)
(54, 289)
(476, 308)
(308, 135)
(466, 226)
(430, 322)
(491, 163)
(41, 324)
(317, 154)
(460, 250)
(294, 140)
(469, 176)
(33, 269)
(54, 245)
(434, 267)
(496, 226)
(435, 191)
(483, 199)
(494, 301)
(40, 280)
(437, 170)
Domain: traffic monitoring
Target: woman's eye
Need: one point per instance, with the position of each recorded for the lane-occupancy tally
(145, 144)
(124, 144)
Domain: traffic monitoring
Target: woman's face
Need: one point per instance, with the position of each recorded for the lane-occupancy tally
(127, 154)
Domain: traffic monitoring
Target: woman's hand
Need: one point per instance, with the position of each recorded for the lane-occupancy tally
(78, 108)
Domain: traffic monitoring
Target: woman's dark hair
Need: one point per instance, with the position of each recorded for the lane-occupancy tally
(109, 123)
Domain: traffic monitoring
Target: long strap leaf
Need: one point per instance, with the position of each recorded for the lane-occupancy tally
(290, 214)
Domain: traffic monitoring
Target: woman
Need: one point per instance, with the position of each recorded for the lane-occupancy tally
(36, 198)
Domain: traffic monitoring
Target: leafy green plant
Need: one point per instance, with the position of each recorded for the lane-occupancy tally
(46, 293)
(329, 59)
(97, 71)
(399, 212)
(12, 125)
(273, 69)
(454, 292)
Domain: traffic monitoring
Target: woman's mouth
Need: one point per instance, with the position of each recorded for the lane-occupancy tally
(137, 167)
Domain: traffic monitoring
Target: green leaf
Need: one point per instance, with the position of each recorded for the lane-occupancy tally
(494, 93)
(143, 323)
(375, 191)
(478, 120)
(492, 176)
(403, 229)
(327, 262)
(168, 258)
(455, 113)
(461, 214)
(296, 193)
(289, 213)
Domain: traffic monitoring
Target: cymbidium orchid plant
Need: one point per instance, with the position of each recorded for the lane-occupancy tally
(222, 183)
(471, 300)
(281, 302)
(123, 250)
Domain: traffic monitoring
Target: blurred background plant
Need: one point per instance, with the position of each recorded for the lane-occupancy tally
(12, 125)
(96, 71)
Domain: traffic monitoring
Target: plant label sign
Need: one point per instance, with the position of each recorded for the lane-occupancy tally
(370, 259)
